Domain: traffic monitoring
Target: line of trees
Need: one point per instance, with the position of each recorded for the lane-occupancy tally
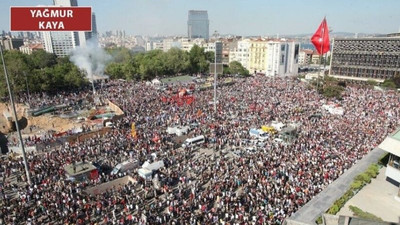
(40, 71)
(146, 66)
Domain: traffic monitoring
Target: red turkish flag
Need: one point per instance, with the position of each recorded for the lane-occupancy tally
(321, 38)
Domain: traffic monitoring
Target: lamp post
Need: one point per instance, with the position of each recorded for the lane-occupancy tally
(27, 89)
(215, 78)
(21, 142)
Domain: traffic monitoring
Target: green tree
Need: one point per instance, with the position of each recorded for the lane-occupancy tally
(115, 70)
(236, 67)
(198, 60)
(389, 84)
(371, 82)
(42, 59)
(333, 91)
(176, 61)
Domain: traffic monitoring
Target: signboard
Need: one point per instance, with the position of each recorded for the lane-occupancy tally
(51, 18)
(220, 68)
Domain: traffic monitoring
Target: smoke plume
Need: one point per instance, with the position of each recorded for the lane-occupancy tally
(91, 58)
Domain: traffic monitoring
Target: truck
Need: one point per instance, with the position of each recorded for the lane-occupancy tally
(259, 134)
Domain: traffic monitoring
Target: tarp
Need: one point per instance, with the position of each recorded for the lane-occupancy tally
(153, 166)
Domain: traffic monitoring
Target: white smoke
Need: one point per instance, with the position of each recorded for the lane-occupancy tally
(92, 59)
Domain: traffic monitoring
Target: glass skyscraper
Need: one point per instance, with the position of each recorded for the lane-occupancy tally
(198, 24)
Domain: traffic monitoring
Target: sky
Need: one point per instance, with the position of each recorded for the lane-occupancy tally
(238, 17)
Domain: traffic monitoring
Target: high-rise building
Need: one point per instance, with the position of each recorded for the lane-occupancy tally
(10, 43)
(62, 43)
(198, 24)
(66, 3)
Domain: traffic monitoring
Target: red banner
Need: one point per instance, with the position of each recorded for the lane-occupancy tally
(51, 18)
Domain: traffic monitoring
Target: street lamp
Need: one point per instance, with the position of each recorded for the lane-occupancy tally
(27, 89)
(21, 142)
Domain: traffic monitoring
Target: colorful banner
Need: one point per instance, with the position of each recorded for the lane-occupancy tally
(51, 18)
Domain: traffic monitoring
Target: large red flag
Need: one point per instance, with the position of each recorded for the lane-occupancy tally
(321, 38)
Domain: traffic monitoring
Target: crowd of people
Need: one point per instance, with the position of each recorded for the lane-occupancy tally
(261, 187)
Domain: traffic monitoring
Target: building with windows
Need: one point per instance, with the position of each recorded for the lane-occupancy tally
(198, 24)
(10, 43)
(273, 57)
(241, 53)
(62, 43)
(29, 48)
(305, 56)
(366, 58)
(257, 56)
(282, 58)
(391, 144)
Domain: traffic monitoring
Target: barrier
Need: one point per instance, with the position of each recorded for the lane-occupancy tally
(117, 183)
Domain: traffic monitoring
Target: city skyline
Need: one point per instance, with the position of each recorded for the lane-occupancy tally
(245, 18)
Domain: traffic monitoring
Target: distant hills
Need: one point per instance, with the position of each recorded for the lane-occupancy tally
(334, 35)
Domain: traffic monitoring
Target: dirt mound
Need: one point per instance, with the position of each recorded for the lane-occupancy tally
(44, 122)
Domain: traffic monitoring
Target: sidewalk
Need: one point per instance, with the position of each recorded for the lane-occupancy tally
(320, 203)
(377, 198)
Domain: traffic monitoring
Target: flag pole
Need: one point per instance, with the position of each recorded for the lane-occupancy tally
(321, 54)
(21, 142)
(215, 78)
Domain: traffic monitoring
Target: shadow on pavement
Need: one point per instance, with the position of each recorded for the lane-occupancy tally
(3, 143)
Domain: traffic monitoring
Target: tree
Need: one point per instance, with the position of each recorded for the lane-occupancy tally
(333, 91)
(236, 67)
(42, 59)
(371, 82)
(198, 60)
(396, 80)
(176, 61)
(388, 83)
(115, 70)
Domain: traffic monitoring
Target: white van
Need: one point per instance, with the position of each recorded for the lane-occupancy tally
(194, 141)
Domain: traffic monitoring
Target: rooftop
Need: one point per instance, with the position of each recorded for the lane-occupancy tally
(81, 168)
(392, 143)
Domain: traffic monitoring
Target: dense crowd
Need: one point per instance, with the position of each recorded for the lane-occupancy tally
(261, 187)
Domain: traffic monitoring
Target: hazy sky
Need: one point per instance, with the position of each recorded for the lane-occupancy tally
(240, 17)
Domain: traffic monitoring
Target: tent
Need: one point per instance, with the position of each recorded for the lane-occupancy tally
(145, 173)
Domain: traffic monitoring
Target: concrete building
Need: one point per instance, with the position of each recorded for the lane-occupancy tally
(391, 144)
(257, 56)
(366, 58)
(28, 49)
(241, 53)
(212, 47)
(198, 24)
(273, 57)
(9, 43)
(169, 43)
(282, 58)
(305, 56)
(228, 45)
(62, 43)
(315, 58)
